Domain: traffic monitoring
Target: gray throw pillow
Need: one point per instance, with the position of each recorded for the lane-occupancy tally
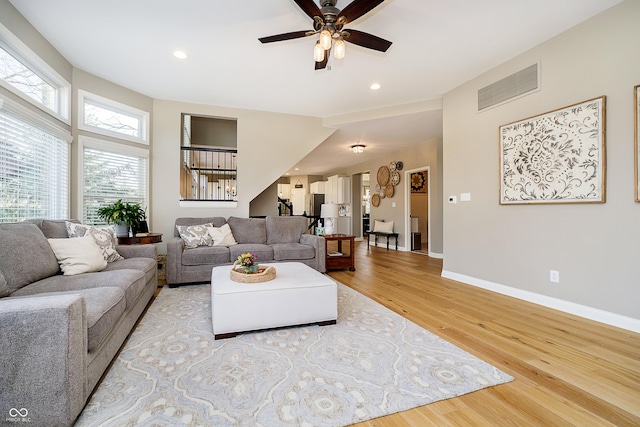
(105, 238)
(195, 235)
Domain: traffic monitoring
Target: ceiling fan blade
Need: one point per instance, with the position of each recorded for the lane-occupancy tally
(357, 8)
(285, 36)
(323, 64)
(309, 7)
(366, 40)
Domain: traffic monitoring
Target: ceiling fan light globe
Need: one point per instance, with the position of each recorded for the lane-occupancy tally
(318, 53)
(339, 49)
(325, 39)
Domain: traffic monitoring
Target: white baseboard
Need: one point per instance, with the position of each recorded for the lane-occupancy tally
(591, 313)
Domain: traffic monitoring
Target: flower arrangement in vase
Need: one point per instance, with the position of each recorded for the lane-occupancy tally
(249, 262)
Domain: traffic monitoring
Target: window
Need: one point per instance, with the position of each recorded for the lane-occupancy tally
(111, 171)
(111, 118)
(34, 167)
(25, 74)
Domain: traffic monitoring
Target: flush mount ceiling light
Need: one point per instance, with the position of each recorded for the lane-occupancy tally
(328, 23)
(358, 148)
(180, 54)
(375, 86)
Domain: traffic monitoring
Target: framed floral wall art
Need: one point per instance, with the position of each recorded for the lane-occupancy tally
(636, 138)
(556, 157)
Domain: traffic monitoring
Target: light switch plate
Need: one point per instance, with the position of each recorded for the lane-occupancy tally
(465, 197)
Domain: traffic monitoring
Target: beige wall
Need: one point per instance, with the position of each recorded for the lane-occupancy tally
(595, 247)
(268, 145)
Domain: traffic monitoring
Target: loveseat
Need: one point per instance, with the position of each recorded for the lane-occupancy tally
(59, 332)
(272, 239)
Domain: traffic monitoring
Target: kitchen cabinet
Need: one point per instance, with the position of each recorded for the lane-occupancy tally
(338, 190)
(318, 187)
(284, 191)
(344, 190)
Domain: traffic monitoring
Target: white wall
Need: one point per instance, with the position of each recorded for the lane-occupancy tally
(595, 247)
(268, 145)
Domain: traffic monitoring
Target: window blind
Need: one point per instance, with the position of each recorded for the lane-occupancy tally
(34, 171)
(109, 176)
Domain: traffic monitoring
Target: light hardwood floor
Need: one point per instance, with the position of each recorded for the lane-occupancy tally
(568, 370)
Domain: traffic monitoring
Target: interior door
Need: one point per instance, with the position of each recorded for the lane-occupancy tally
(297, 198)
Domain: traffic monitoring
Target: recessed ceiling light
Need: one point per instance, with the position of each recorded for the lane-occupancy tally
(296, 169)
(180, 54)
(375, 86)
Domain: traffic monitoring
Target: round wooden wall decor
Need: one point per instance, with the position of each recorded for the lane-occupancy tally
(383, 176)
(388, 190)
(375, 200)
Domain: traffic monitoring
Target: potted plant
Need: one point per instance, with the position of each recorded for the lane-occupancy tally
(123, 215)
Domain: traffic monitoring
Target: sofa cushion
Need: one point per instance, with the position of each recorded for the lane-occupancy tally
(206, 255)
(195, 235)
(222, 236)
(105, 238)
(77, 256)
(263, 252)
(285, 229)
(52, 228)
(148, 266)
(130, 281)
(292, 251)
(248, 230)
(217, 221)
(25, 242)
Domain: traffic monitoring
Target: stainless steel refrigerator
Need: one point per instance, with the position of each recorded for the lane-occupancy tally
(313, 204)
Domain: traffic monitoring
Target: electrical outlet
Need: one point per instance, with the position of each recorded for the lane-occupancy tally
(554, 276)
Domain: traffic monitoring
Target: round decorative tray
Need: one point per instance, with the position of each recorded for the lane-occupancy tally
(375, 200)
(388, 190)
(264, 274)
(383, 175)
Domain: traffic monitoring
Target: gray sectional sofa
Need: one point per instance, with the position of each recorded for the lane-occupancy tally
(272, 239)
(58, 333)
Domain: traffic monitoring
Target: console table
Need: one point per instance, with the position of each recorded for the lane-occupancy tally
(339, 259)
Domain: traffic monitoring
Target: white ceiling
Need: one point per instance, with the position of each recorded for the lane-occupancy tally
(437, 45)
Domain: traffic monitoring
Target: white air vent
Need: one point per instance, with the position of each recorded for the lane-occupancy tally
(512, 86)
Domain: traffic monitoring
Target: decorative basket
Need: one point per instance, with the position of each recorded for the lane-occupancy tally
(264, 274)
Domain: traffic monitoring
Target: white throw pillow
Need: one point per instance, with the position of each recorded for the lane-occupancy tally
(195, 235)
(222, 236)
(383, 227)
(105, 238)
(79, 255)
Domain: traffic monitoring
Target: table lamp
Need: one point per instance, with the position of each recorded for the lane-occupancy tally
(329, 211)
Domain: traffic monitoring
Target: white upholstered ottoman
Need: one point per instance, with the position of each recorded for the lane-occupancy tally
(299, 295)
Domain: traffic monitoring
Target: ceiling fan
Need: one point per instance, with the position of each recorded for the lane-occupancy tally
(329, 22)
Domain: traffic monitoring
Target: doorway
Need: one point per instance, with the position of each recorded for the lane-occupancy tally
(418, 209)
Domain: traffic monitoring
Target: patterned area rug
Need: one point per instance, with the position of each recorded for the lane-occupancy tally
(372, 363)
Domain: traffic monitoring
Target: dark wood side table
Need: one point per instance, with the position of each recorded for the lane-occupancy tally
(338, 259)
(139, 239)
